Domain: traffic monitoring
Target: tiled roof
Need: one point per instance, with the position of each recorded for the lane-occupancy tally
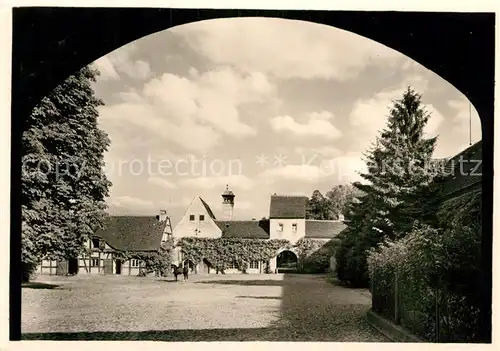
(470, 174)
(133, 233)
(283, 206)
(317, 229)
(244, 229)
(209, 210)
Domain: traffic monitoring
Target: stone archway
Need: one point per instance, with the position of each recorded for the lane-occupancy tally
(281, 255)
(287, 261)
(53, 56)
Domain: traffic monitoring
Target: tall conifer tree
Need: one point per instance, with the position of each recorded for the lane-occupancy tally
(398, 174)
(400, 165)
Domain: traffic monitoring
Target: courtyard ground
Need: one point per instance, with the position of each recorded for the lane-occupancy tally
(281, 307)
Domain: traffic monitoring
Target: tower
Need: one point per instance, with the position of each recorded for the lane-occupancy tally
(228, 204)
(164, 217)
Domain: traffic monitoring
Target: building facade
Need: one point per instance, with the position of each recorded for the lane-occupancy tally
(287, 220)
(121, 233)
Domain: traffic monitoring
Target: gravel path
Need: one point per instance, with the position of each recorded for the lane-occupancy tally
(206, 308)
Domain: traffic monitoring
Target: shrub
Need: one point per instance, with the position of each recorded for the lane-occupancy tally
(221, 252)
(351, 259)
(314, 255)
(437, 272)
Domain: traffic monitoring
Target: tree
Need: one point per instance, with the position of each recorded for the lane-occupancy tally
(398, 175)
(63, 182)
(317, 206)
(399, 164)
(361, 234)
(340, 197)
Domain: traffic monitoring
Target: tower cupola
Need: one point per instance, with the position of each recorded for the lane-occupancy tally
(228, 204)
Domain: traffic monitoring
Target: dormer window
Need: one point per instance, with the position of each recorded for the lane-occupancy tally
(191, 218)
(95, 243)
(280, 227)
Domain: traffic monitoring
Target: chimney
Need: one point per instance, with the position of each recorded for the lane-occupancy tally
(162, 216)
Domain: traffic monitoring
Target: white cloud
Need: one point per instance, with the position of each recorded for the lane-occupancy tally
(213, 97)
(325, 151)
(318, 125)
(183, 202)
(106, 68)
(411, 65)
(303, 173)
(243, 205)
(343, 169)
(139, 70)
(285, 48)
(164, 183)
(132, 203)
(130, 96)
(459, 129)
(346, 168)
(120, 61)
(191, 112)
(369, 116)
(234, 181)
(152, 122)
(435, 121)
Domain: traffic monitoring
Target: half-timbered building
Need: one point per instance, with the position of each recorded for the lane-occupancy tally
(120, 234)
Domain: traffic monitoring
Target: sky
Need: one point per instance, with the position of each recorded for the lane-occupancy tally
(262, 105)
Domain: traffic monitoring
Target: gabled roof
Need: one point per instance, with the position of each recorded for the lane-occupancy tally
(133, 233)
(465, 175)
(286, 206)
(209, 210)
(318, 229)
(244, 229)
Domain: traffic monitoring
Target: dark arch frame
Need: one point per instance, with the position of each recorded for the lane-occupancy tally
(51, 43)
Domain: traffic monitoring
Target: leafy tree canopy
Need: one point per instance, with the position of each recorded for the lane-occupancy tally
(63, 184)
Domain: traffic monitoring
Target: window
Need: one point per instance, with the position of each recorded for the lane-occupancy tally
(232, 265)
(191, 218)
(202, 217)
(294, 227)
(94, 262)
(254, 265)
(95, 243)
(135, 263)
(280, 227)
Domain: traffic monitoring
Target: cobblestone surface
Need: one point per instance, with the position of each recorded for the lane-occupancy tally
(205, 308)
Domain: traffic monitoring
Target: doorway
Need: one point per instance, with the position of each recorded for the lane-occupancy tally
(118, 267)
(73, 266)
(286, 262)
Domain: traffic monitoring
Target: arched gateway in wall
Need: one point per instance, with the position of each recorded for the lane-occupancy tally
(286, 260)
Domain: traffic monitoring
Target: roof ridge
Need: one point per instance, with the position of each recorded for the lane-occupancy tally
(284, 195)
(466, 150)
(325, 220)
(207, 207)
(133, 216)
(241, 220)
